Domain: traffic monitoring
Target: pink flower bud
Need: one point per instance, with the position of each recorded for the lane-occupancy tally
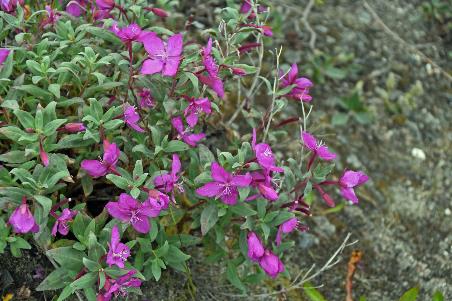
(43, 155)
(159, 12)
(238, 71)
(75, 127)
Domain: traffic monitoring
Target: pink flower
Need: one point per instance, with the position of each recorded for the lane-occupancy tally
(195, 107)
(166, 182)
(348, 181)
(302, 85)
(9, 6)
(246, 8)
(263, 182)
(118, 252)
(130, 210)
(99, 168)
(286, 227)
(163, 57)
(131, 118)
(255, 247)
(265, 29)
(4, 53)
(190, 139)
(61, 224)
(22, 220)
(157, 201)
(212, 80)
(317, 148)
(74, 127)
(118, 287)
(264, 155)
(52, 17)
(271, 264)
(128, 34)
(224, 185)
(146, 99)
(76, 7)
(105, 4)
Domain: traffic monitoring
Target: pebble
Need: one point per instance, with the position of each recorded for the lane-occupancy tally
(418, 153)
(447, 212)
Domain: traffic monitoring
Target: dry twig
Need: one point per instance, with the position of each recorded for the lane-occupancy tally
(355, 258)
(396, 37)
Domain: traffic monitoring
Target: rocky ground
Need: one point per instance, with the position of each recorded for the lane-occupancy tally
(398, 131)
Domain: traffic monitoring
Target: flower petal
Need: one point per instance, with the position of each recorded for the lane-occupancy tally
(349, 194)
(309, 141)
(218, 173)
(324, 153)
(151, 66)
(210, 190)
(142, 225)
(94, 168)
(241, 180)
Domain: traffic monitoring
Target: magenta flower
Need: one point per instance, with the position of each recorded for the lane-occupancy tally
(163, 57)
(271, 264)
(286, 227)
(317, 148)
(146, 98)
(105, 4)
(22, 220)
(61, 224)
(224, 185)
(263, 183)
(157, 201)
(4, 53)
(130, 210)
(118, 252)
(131, 118)
(264, 155)
(255, 247)
(76, 7)
(212, 80)
(52, 17)
(166, 182)
(348, 181)
(9, 6)
(303, 84)
(74, 127)
(195, 107)
(118, 287)
(99, 168)
(265, 29)
(246, 8)
(190, 139)
(128, 34)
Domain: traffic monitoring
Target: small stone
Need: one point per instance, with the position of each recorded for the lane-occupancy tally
(307, 240)
(447, 212)
(418, 153)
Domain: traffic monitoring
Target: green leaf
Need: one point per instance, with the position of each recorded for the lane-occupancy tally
(209, 218)
(55, 90)
(45, 202)
(233, 277)
(91, 91)
(243, 210)
(67, 257)
(35, 91)
(91, 265)
(175, 255)
(156, 270)
(410, 295)
(51, 127)
(312, 293)
(438, 296)
(55, 280)
(67, 291)
(25, 118)
(85, 281)
(176, 146)
(16, 156)
(118, 181)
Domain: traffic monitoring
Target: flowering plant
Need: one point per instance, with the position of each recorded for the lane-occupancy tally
(108, 98)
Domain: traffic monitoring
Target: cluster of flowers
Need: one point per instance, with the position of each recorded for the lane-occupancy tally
(164, 57)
